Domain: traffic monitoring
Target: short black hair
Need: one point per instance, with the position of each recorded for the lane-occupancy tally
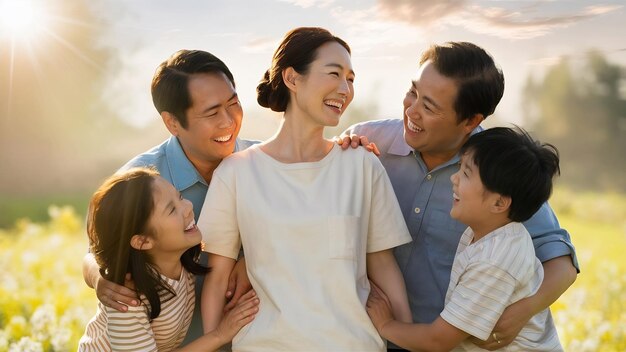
(170, 91)
(480, 82)
(512, 164)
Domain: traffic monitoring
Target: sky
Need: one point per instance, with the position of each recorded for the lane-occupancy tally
(386, 37)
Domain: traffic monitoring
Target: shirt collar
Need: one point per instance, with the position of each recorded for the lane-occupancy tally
(400, 147)
(184, 174)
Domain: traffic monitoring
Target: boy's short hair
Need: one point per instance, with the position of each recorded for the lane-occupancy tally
(512, 164)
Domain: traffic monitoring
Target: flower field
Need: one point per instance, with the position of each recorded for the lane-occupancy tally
(44, 303)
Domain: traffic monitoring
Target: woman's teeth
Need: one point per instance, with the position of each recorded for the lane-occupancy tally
(333, 103)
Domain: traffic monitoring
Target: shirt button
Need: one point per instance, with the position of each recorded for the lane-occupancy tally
(429, 176)
(417, 210)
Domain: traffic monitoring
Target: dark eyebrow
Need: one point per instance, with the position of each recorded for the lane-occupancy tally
(218, 104)
(339, 67)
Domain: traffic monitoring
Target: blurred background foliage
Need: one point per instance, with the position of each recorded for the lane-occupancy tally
(580, 107)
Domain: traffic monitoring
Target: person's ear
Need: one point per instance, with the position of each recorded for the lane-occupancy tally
(141, 242)
(473, 122)
(289, 77)
(501, 204)
(171, 122)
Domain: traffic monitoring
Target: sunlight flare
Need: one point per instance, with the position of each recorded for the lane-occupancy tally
(21, 19)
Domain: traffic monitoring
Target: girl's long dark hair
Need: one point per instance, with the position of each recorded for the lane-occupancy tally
(118, 210)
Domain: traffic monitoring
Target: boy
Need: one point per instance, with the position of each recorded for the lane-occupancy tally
(504, 178)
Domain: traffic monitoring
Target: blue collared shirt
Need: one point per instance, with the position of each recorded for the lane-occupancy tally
(174, 166)
(425, 198)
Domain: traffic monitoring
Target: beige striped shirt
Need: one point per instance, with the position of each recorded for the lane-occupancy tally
(489, 275)
(110, 330)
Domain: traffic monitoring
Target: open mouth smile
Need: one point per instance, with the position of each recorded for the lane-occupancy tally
(413, 127)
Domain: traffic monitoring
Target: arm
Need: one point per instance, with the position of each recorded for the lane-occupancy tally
(214, 291)
(108, 293)
(233, 321)
(438, 336)
(383, 271)
(559, 275)
(238, 283)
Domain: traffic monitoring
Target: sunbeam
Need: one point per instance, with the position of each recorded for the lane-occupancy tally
(21, 19)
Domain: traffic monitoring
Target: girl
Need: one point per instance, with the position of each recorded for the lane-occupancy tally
(138, 224)
(314, 221)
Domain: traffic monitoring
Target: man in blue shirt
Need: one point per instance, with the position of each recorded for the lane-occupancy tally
(194, 92)
(458, 85)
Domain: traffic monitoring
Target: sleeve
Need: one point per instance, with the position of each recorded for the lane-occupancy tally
(218, 219)
(549, 239)
(358, 128)
(131, 330)
(477, 302)
(387, 228)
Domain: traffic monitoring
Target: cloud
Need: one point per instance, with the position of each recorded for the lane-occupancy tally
(368, 30)
(261, 45)
(497, 21)
(419, 12)
(308, 3)
(519, 25)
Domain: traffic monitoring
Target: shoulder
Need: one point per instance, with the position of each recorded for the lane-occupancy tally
(360, 159)
(387, 134)
(377, 127)
(155, 156)
(236, 162)
(511, 249)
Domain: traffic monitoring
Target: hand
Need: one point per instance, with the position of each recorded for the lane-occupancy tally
(378, 308)
(238, 317)
(507, 328)
(116, 296)
(354, 141)
(238, 284)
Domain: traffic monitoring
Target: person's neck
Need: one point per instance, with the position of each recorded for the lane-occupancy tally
(169, 265)
(486, 227)
(434, 160)
(204, 167)
(297, 141)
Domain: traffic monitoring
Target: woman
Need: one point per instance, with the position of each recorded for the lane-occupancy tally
(139, 224)
(315, 222)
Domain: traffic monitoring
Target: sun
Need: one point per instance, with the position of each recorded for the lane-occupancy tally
(21, 19)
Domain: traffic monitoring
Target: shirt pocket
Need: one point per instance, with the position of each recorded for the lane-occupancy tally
(343, 237)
